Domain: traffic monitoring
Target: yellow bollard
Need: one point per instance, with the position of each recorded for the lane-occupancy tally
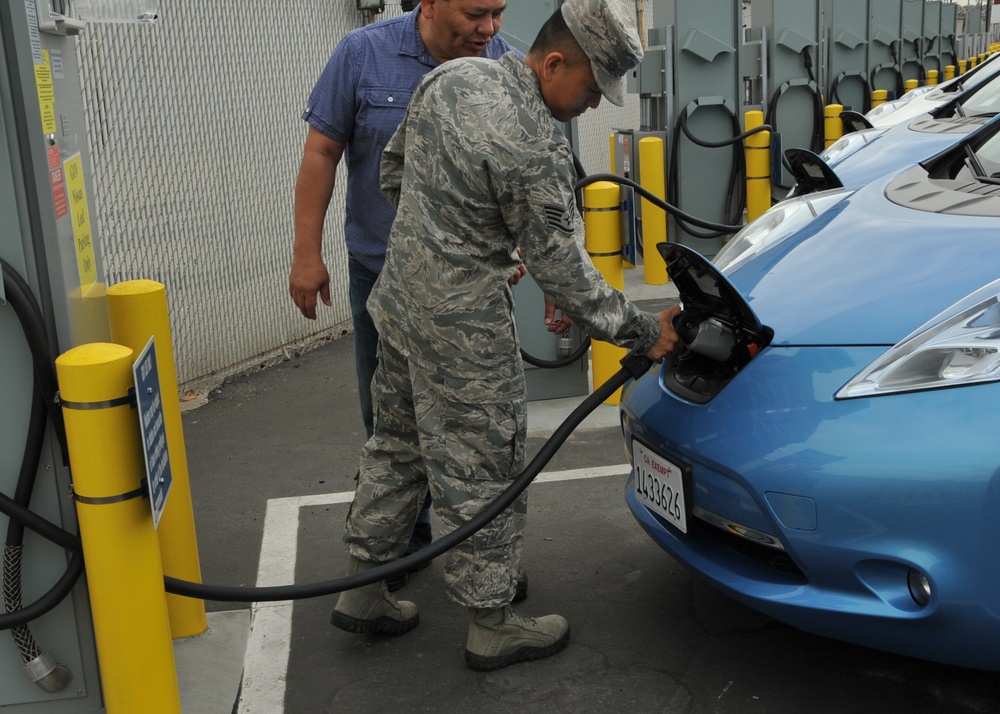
(932, 77)
(833, 125)
(137, 310)
(879, 96)
(973, 61)
(601, 216)
(124, 575)
(652, 170)
(949, 72)
(758, 160)
(910, 84)
(962, 66)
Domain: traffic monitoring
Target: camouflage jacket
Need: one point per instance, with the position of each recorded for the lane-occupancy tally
(477, 168)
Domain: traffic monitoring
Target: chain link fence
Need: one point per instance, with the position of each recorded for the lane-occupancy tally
(194, 128)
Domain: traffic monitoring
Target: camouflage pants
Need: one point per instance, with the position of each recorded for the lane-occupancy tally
(430, 434)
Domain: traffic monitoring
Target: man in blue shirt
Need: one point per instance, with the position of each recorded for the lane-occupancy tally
(355, 107)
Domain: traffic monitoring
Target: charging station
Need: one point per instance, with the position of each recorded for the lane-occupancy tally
(793, 96)
(911, 36)
(884, 71)
(689, 92)
(846, 34)
(48, 238)
(49, 235)
(521, 22)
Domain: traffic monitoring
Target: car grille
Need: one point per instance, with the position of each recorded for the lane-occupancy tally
(771, 558)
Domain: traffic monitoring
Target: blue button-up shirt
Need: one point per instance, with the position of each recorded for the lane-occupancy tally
(359, 100)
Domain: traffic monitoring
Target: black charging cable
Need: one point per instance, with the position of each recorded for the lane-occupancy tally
(633, 367)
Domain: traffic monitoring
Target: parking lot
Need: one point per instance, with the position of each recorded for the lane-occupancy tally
(646, 636)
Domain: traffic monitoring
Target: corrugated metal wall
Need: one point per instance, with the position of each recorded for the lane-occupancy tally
(196, 139)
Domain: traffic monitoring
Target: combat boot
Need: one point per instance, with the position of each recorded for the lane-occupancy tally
(372, 608)
(502, 636)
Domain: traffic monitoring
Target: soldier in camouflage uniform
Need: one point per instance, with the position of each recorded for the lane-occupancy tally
(477, 168)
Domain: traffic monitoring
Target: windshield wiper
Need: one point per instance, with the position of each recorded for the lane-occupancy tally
(975, 166)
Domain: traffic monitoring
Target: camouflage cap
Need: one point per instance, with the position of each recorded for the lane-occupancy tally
(606, 32)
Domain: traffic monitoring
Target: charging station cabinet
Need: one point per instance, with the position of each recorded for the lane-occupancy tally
(883, 46)
(794, 103)
(846, 33)
(703, 92)
(911, 36)
(947, 50)
(48, 237)
(625, 163)
(930, 56)
(521, 22)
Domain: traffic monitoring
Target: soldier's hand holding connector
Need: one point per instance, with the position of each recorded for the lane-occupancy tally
(669, 339)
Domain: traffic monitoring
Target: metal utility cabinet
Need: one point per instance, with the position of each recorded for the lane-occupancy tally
(47, 235)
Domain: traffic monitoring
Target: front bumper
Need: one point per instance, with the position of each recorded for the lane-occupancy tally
(856, 492)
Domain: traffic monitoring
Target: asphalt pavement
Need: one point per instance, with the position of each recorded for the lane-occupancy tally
(272, 457)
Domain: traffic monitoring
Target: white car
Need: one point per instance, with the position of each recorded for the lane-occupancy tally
(924, 99)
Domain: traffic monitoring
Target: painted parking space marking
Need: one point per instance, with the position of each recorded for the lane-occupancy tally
(265, 663)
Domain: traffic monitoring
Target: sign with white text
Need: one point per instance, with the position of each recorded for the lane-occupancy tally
(153, 429)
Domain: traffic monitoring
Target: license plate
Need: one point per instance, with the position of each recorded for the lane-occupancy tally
(659, 485)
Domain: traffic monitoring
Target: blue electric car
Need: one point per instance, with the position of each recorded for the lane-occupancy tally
(866, 154)
(825, 447)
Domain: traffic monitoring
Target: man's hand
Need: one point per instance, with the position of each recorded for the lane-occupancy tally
(668, 338)
(521, 271)
(557, 326)
(518, 274)
(307, 279)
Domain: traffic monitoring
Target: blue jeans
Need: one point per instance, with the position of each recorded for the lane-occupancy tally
(361, 281)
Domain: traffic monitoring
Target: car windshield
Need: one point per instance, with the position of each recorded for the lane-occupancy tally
(985, 99)
(974, 77)
(981, 163)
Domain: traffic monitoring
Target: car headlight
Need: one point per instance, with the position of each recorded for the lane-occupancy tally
(775, 226)
(887, 107)
(849, 143)
(958, 347)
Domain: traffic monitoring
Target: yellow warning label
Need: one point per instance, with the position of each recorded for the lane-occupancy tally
(80, 213)
(46, 94)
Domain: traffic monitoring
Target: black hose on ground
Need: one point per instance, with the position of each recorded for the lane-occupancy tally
(633, 367)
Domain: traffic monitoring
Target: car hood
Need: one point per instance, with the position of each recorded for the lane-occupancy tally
(877, 152)
(867, 272)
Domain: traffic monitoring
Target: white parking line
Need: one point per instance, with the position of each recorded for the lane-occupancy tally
(265, 664)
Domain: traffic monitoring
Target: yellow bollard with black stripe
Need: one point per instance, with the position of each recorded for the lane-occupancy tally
(879, 96)
(833, 125)
(910, 84)
(653, 172)
(932, 77)
(137, 310)
(963, 66)
(602, 221)
(757, 148)
(124, 575)
(949, 72)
